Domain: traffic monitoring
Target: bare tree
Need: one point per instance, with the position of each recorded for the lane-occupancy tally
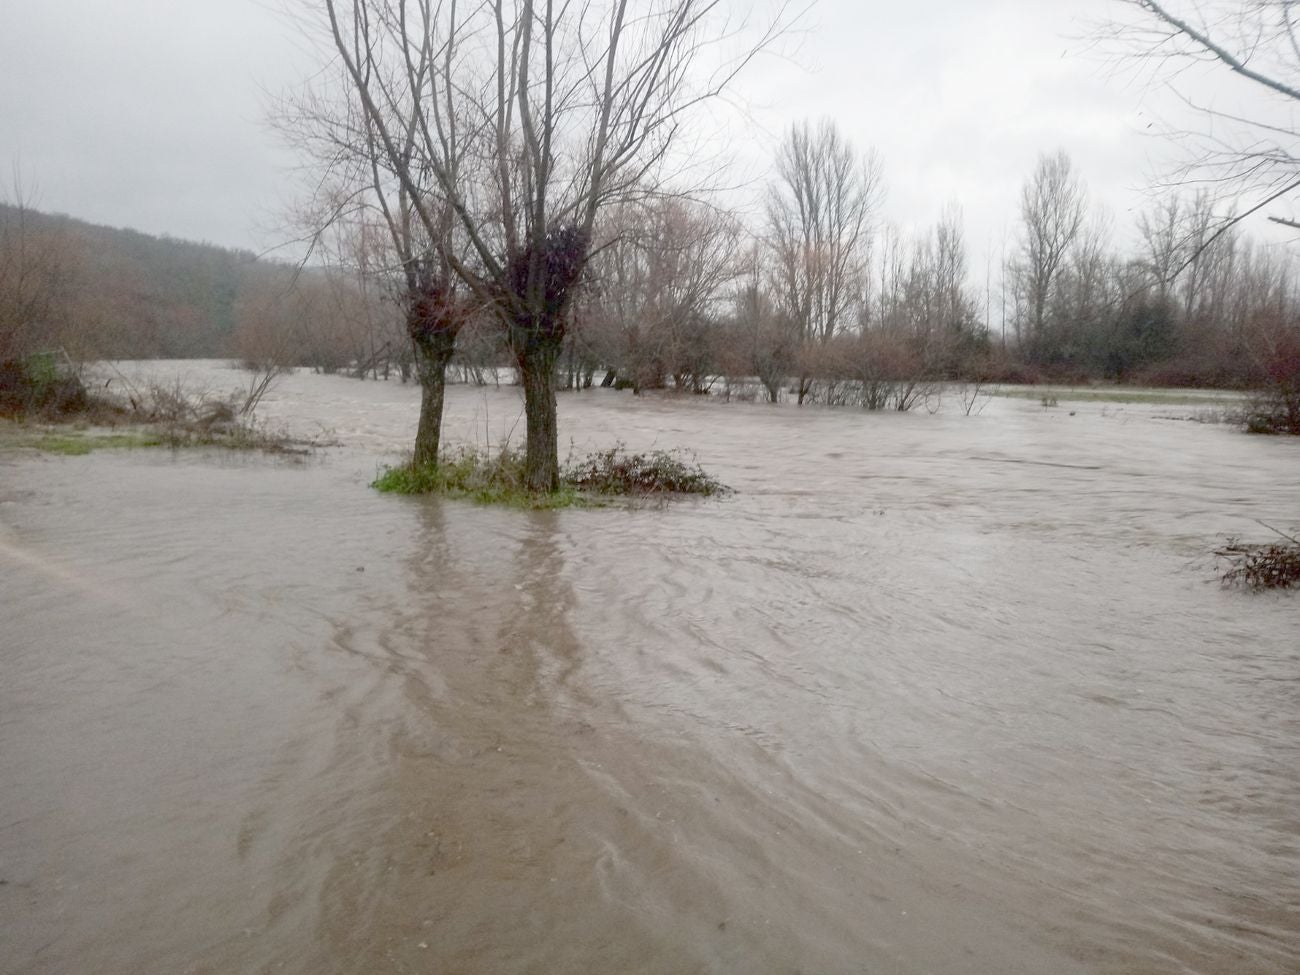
(1177, 252)
(886, 285)
(520, 121)
(658, 281)
(1250, 152)
(1164, 240)
(931, 298)
(1053, 205)
(763, 342)
(371, 134)
(920, 324)
(956, 307)
(1084, 301)
(35, 267)
(364, 328)
(819, 213)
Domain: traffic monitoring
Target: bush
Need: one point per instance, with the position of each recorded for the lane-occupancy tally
(45, 389)
(37, 384)
(1275, 565)
(615, 471)
(1200, 371)
(1005, 370)
(1273, 414)
(1276, 409)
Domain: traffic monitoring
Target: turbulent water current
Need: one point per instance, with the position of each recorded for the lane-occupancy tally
(930, 693)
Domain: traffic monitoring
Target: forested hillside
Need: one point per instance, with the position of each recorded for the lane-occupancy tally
(103, 292)
(111, 292)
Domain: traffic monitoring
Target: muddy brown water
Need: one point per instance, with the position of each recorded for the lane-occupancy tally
(929, 694)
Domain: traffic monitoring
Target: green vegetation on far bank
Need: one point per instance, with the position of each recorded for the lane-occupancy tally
(1120, 394)
(79, 441)
(72, 442)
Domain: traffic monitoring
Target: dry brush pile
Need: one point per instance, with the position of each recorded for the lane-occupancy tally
(1270, 565)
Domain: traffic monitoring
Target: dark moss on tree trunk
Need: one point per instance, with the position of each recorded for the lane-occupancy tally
(542, 280)
(542, 459)
(433, 319)
(431, 359)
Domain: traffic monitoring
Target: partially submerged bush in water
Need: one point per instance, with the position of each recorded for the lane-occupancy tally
(160, 414)
(1274, 565)
(478, 475)
(1276, 409)
(1277, 412)
(182, 417)
(41, 384)
(615, 471)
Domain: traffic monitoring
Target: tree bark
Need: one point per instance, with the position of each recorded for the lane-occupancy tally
(432, 353)
(542, 459)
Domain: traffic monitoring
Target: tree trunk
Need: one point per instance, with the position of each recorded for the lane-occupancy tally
(542, 278)
(571, 378)
(542, 459)
(432, 353)
(773, 386)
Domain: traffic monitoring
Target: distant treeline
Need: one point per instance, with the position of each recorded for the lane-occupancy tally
(102, 292)
(819, 301)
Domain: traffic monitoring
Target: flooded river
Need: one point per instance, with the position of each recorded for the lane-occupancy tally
(928, 694)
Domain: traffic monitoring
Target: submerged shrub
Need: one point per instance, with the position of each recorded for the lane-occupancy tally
(1276, 407)
(615, 471)
(1275, 412)
(40, 384)
(1274, 565)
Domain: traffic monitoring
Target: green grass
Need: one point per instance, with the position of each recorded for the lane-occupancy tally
(499, 479)
(1117, 395)
(477, 476)
(75, 443)
(52, 444)
(70, 441)
(238, 437)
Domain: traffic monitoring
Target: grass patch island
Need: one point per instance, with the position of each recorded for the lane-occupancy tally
(594, 481)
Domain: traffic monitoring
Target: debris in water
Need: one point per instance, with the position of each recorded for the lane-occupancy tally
(1274, 565)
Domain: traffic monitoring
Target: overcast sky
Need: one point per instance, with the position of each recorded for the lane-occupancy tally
(150, 113)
